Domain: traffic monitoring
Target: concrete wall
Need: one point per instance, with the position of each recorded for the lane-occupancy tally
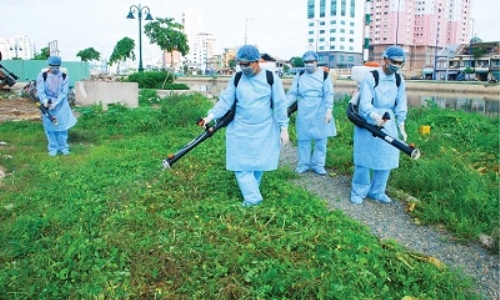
(458, 87)
(95, 92)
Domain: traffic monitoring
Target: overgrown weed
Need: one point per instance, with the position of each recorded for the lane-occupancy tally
(107, 222)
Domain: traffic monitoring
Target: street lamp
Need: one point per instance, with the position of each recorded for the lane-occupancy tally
(16, 48)
(139, 10)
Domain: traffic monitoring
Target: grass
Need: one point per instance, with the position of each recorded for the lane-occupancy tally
(456, 179)
(107, 222)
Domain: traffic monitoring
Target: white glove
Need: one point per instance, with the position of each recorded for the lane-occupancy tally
(377, 118)
(45, 103)
(52, 105)
(206, 120)
(328, 116)
(402, 131)
(284, 137)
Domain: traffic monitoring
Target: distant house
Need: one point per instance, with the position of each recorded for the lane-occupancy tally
(481, 59)
(267, 62)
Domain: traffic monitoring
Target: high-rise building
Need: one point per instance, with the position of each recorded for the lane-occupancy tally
(17, 47)
(202, 46)
(422, 28)
(341, 30)
(335, 31)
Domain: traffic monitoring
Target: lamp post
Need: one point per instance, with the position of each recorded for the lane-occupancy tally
(436, 50)
(16, 48)
(139, 10)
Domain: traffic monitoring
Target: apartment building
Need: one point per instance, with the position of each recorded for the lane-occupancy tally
(335, 31)
(17, 47)
(422, 28)
(202, 45)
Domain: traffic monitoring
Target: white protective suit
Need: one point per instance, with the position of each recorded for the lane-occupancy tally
(253, 137)
(56, 89)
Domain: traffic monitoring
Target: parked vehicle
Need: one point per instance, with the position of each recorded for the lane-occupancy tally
(460, 77)
(29, 90)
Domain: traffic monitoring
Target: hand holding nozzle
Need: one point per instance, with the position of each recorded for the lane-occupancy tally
(206, 120)
(380, 120)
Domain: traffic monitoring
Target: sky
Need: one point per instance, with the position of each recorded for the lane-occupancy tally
(278, 27)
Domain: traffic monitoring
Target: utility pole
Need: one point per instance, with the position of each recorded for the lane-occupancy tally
(436, 50)
(470, 47)
(246, 28)
(317, 35)
(397, 21)
(367, 30)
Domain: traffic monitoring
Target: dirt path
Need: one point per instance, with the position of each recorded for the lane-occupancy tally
(389, 221)
(16, 108)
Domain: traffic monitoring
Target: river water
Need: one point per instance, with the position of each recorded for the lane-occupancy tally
(485, 104)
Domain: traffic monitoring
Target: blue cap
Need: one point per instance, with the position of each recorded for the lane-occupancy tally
(54, 61)
(310, 55)
(248, 53)
(395, 53)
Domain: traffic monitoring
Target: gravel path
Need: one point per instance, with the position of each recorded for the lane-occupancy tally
(389, 221)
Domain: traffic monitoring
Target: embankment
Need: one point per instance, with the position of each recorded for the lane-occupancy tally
(482, 88)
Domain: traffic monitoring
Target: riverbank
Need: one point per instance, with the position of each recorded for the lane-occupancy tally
(483, 88)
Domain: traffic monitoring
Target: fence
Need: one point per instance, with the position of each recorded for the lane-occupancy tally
(29, 69)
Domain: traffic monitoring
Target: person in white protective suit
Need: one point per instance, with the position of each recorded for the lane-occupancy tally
(259, 126)
(374, 158)
(52, 90)
(313, 91)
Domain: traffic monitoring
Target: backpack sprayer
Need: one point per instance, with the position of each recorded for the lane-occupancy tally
(8, 77)
(358, 73)
(209, 131)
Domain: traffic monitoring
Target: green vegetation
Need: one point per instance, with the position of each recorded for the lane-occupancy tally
(89, 54)
(456, 179)
(107, 222)
(162, 80)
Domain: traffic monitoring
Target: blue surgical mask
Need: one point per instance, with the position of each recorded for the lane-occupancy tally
(393, 68)
(310, 67)
(54, 70)
(247, 71)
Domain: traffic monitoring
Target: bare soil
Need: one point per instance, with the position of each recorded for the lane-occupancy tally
(16, 108)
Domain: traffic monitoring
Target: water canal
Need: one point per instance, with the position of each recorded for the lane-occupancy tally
(486, 103)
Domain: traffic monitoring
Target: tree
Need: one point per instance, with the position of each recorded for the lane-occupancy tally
(89, 54)
(479, 50)
(43, 55)
(296, 62)
(475, 40)
(124, 49)
(232, 63)
(167, 34)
